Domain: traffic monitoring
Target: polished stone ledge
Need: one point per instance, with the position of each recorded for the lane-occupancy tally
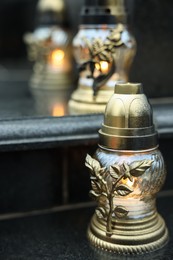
(61, 234)
(49, 132)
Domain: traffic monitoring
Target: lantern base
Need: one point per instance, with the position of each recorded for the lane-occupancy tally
(129, 237)
(51, 92)
(51, 80)
(83, 101)
(77, 108)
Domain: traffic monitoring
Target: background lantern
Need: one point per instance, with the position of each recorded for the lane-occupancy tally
(104, 50)
(49, 46)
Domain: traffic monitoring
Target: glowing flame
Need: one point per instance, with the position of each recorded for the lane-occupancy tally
(97, 66)
(57, 57)
(58, 110)
(103, 66)
(128, 182)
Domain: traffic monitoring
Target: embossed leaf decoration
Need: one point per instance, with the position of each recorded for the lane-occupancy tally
(97, 47)
(102, 171)
(95, 186)
(138, 168)
(120, 212)
(118, 44)
(123, 190)
(97, 44)
(100, 212)
(91, 163)
(115, 35)
(104, 56)
(115, 171)
(104, 194)
(127, 171)
(93, 194)
(126, 167)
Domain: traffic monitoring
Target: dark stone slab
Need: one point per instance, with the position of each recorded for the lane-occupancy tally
(153, 30)
(62, 235)
(30, 180)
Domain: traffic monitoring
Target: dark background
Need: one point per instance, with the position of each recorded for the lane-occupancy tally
(151, 22)
(45, 178)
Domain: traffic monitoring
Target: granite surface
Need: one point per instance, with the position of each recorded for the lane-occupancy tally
(22, 127)
(151, 24)
(62, 235)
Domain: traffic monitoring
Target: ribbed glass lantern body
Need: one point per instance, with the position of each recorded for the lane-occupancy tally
(92, 44)
(104, 54)
(146, 176)
(127, 171)
(49, 47)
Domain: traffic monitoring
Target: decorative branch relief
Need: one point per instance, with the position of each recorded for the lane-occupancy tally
(107, 183)
(99, 51)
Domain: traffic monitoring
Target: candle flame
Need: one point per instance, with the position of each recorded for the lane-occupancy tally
(57, 57)
(58, 110)
(103, 66)
(97, 66)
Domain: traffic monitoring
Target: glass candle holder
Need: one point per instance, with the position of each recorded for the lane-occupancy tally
(49, 47)
(127, 172)
(104, 50)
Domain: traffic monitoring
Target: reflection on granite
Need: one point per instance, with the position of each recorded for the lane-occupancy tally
(62, 235)
(152, 27)
(15, 100)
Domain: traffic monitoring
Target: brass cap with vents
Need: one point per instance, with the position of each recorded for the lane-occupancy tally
(128, 121)
(50, 5)
(113, 7)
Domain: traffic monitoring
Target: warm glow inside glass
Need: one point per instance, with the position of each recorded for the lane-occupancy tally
(58, 110)
(50, 48)
(59, 61)
(102, 66)
(57, 57)
(126, 172)
(123, 56)
(51, 81)
(145, 186)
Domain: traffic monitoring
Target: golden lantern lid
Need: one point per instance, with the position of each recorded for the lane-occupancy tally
(103, 12)
(128, 120)
(51, 5)
(117, 6)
